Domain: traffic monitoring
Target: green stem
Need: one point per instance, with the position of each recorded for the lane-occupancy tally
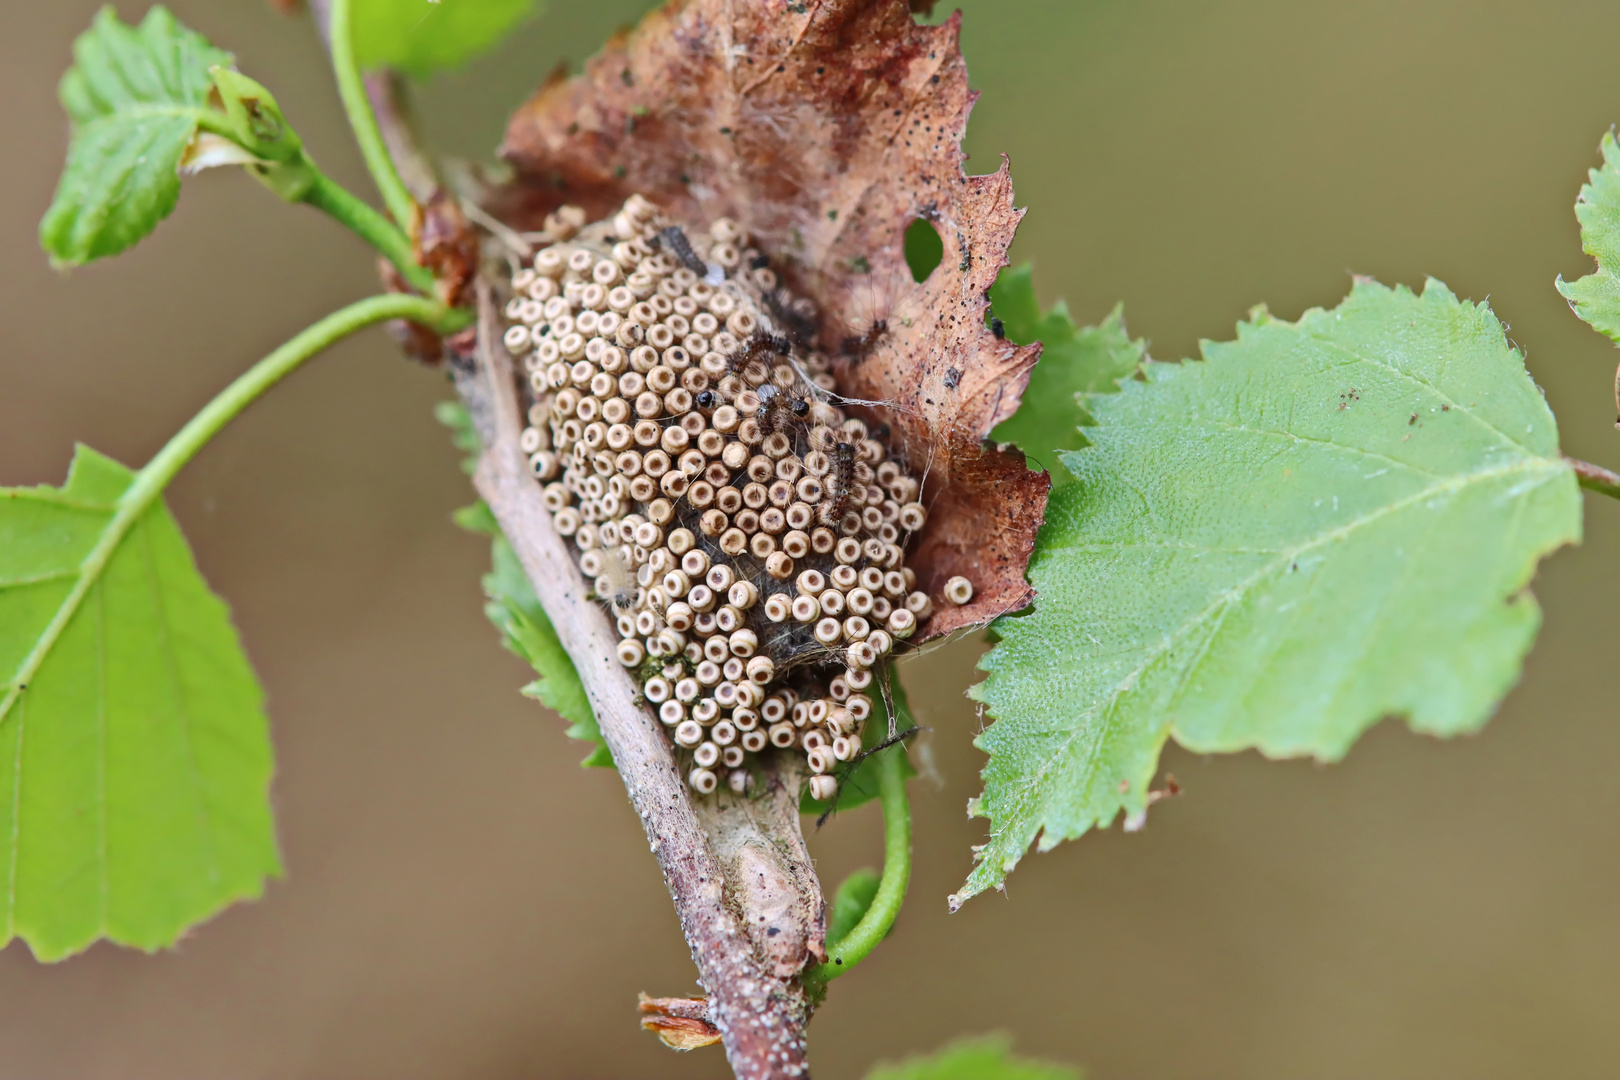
(891, 893)
(352, 88)
(150, 481)
(370, 226)
(273, 368)
(1596, 478)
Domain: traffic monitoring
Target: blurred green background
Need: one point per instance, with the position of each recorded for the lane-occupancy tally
(463, 901)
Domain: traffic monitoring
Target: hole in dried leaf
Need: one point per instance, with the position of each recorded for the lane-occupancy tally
(924, 249)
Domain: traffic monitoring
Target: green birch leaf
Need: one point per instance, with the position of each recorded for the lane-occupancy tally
(515, 609)
(463, 436)
(1324, 523)
(420, 37)
(851, 903)
(135, 756)
(859, 784)
(516, 612)
(988, 1057)
(1596, 297)
(136, 96)
(478, 518)
(1074, 361)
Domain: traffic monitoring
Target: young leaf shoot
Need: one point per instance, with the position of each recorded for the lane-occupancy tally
(137, 97)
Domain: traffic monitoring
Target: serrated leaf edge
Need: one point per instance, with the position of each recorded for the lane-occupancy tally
(1540, 467)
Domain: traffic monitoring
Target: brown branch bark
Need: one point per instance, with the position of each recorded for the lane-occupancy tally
(737, 868)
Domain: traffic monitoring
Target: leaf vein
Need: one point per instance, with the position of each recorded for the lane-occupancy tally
(172, 662)
(1445, 399)
(1329, 444)
(38, 579)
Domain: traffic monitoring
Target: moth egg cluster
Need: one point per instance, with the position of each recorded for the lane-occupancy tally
(747, 536)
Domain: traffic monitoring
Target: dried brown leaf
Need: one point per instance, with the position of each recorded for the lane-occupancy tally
(682, 1023)
(446, 245)
(826, 129)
